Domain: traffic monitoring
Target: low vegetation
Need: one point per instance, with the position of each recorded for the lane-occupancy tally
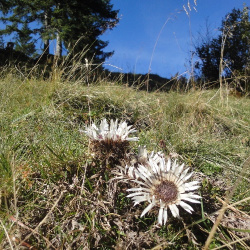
(54, 194)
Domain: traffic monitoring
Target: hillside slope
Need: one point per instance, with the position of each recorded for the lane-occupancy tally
(55, 193)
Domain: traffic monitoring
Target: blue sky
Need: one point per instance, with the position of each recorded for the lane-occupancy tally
(163, 24)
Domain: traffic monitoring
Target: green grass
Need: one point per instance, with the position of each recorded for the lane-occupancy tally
(52, 186)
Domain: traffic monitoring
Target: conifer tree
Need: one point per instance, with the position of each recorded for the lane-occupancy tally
(1, 42)
(67, 21)
(24, 41)
(235, 39)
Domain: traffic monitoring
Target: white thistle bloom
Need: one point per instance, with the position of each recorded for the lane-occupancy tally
(164, 185)
(113, 132)
(130, 171)
(125, 173)
(143, 154)
(155, 158)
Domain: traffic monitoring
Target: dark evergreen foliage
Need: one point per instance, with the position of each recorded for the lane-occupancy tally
(24, 41)
(1, 43)
(235, 35)
(75, 24)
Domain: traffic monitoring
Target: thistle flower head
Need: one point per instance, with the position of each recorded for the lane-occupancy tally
(164, 185)
(129, 172)
(114, 131)
(110, 142)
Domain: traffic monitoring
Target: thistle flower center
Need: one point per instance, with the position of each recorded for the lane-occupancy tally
(166, 191)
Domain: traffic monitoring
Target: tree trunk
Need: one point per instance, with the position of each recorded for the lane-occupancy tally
(58, 45)
(46, 47)
(46, 25)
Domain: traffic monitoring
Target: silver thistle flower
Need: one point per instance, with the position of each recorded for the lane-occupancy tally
(113, 132)
(129, 172)
(163, 184)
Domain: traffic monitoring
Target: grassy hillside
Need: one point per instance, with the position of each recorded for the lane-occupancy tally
(56, 195)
